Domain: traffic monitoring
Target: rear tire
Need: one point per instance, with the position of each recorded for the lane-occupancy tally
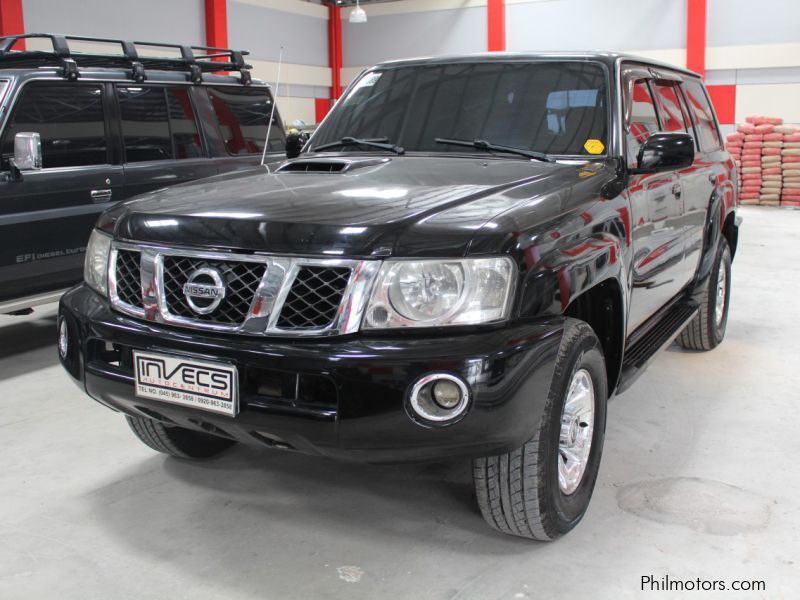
(523, 492)
(177, 441)
(707, 329)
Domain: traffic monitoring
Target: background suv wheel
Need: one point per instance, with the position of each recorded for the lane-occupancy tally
(177, 441)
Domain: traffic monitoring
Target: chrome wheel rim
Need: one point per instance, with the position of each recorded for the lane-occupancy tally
(577, 428)
(722, 284)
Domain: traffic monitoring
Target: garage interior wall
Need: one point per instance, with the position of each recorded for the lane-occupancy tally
(752, 48)
(260, 26)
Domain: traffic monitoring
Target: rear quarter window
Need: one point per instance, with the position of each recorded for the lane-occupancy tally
(243, 115)
(703, 115)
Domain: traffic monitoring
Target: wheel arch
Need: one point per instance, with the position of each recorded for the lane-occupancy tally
(730, 231)
(602, 308)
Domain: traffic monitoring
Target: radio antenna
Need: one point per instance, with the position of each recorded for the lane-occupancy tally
(272, 112)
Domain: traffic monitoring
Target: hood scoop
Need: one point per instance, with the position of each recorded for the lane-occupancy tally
(329, 165)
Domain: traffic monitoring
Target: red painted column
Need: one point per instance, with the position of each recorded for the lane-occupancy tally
(723, 97)
(696, 36)
(323, 105)
(335, 49)
(496, 21)
(11, 21)
(217, 23)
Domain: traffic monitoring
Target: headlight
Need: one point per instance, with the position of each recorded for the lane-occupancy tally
(432, 293)
(95, 269)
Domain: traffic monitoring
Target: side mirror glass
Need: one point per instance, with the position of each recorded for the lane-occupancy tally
(665, 152)
(27, 151)
(294, 144)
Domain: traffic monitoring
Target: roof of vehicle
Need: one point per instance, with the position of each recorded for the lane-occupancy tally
(609, 58)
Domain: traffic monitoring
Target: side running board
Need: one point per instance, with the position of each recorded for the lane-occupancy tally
(658, 337)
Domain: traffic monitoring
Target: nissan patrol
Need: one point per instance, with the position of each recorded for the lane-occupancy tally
(468, 258)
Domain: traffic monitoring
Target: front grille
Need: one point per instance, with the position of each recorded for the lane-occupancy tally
(314, 299)
(241, 281)
(248, 294)
(129, 277)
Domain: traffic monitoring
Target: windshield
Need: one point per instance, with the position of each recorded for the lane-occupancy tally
(555, 107)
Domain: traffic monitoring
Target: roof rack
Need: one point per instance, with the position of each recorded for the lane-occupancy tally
(193, 60)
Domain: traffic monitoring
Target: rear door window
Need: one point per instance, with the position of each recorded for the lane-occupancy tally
(145, 123)
(158, 123)
(703, 115)
(243, 114)
(70, 119)
(670, 109)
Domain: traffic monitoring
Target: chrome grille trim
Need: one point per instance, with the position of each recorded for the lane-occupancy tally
(113, 288)
(269, 299)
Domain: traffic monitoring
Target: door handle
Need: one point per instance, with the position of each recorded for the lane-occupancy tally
(676, 190)
(100, 195)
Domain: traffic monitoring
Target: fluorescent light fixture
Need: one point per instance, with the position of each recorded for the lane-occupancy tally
(358, 15)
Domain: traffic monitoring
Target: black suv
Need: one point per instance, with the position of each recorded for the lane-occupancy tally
(82, 131)
(468, 258)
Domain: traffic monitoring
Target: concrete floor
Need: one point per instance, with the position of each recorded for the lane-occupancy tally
(699, 479)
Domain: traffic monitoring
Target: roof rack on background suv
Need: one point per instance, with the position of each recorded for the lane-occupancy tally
(208, 59)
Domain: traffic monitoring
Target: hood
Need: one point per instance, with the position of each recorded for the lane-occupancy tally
(349, 206)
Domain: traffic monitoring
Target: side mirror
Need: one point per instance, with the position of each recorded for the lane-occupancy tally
(294, 144)
(28, 151)
(665, 152)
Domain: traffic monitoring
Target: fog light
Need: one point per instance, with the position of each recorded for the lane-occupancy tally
(446, 394)
(439, 397)
(63, 339)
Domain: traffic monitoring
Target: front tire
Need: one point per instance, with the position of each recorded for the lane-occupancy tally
(707, 329)
(177, 441)
(540, 491)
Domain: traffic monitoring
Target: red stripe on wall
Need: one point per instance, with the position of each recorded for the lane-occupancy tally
(696, 36)
(335, 49)
(217, 24)
(11, 20)
(496, 22)
(723, 97)
(321, 108)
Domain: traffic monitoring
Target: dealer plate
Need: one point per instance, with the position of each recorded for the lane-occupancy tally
(201, 384)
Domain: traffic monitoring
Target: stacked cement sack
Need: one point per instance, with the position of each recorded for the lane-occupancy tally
(790, 165)
(735, 145)
(767, 154)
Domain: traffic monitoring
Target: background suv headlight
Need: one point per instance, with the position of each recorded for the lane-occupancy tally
(95, 269)
(433, 293)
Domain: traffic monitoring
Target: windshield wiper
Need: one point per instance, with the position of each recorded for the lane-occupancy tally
(371, 142)
(484, 145)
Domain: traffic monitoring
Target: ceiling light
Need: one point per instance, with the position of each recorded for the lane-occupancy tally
(357, 15)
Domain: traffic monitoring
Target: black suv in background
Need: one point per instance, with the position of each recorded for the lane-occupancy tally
(469, 258)
(82, 131)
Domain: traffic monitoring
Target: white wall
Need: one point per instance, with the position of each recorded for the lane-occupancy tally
(614, 25)
(301, 28)
(404, 34)
(260, 26)
(178, 21)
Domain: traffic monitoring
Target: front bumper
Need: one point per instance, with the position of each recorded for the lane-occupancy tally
(342, 397)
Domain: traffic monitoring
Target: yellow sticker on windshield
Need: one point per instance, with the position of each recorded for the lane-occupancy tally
(594, 146)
